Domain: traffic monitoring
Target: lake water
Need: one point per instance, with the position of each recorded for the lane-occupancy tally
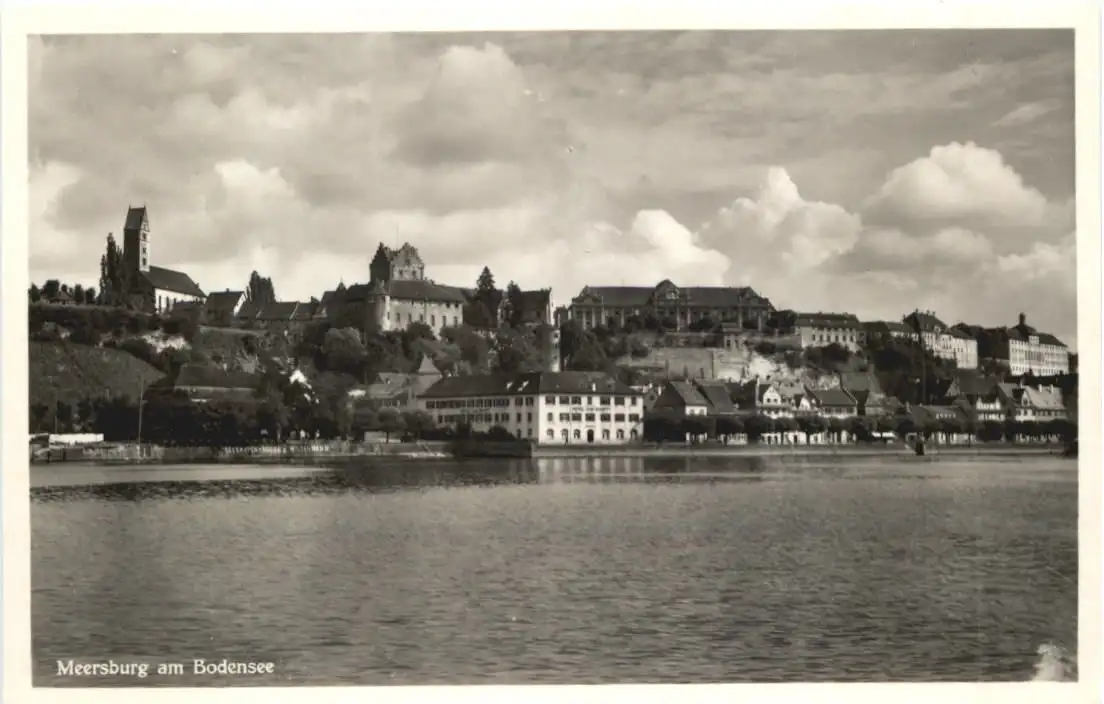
(563, 571)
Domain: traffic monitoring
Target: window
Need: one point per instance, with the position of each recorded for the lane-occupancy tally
(577, 434)
(433, 320)
(619, 417)
(549, 417)
(565, 400)
(517, 401)
(551, 433)
(605, 417)
(529, 401)
(576, 400)
(564, 417)
(590, 400)
(576, 417)
(620, 434)
(563, 433)
(590, 417)
(605, 401)
(518, 417)
(632, 401)
(605, 435)
(550, 400)
(529, 417)
(619, 401)
(529, 433)
(634, 418)
(455, 320)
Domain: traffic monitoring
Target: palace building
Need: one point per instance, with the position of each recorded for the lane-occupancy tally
(606, 305)
(158, 289)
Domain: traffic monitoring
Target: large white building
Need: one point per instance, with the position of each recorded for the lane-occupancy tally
(546, 407)
(1024, 349)
(943, 341)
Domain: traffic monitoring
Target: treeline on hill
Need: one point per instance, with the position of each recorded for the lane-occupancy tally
(279, 407)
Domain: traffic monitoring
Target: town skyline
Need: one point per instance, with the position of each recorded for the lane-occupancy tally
(705, 158)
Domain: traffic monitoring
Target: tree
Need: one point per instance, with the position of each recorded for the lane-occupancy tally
(260, 290)
(390, 421)
(516, 352)
(991, 431)
(906, 425)
(418, 423)
(861, 428)
(757, 426)
(114, 281)
(513, 309)
(473, 347)
(33, 294)
(728, 425)
(90, 295)
(51, 289)
(343, 351)
(580, 350)
(78, 293)
(697, 425)
(482, 309)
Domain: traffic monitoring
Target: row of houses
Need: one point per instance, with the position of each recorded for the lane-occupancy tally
(594, 408)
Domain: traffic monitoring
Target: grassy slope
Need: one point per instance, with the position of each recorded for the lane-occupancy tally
(73, 372)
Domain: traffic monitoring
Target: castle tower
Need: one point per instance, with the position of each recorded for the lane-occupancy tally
(136, 255)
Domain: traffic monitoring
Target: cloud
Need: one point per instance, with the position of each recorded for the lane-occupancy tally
(565, 159)
(1026, 114)
(936, 236)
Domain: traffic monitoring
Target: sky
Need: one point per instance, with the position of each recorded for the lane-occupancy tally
(871, 172)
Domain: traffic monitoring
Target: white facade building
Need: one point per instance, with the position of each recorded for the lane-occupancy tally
(546, 407)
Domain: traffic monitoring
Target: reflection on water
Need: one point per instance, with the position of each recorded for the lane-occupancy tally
(566, 570)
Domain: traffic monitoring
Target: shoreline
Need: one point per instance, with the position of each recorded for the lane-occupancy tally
(780, 452)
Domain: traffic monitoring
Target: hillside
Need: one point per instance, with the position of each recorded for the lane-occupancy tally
(71, 372)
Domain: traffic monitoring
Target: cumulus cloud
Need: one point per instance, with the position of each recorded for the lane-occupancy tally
(935, 235)
(297, 155)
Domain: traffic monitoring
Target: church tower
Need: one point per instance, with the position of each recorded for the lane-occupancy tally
(136, 255)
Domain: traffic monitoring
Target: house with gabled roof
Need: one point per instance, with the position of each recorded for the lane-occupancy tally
(156, 289)
(762, 397)
(867, 392)
(221, 307)
(834, 403)
(202, 383)
(683, 398)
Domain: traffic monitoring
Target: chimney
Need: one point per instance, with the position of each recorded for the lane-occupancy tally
(1023, 319)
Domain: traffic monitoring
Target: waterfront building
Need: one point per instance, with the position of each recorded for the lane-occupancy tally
(155, 289)
(683, 398)
(867, 392)
(834, 403)
(762, 397)
(823, 329)
(1027, 403)
(677, 307)
(546, 407)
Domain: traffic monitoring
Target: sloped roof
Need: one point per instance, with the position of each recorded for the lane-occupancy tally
(1044, 397)
(196, 375)
(170, 280)
(413, 290)
(925, 321)
(533, 383)
(283, 310)
(832, 397)
(134, 218)
(686, 392)
(704, 296)
(223, 301)
(844, 321)
(887, 327)
(716, 394)
(859, 381)
(306, 311)
(249, 309)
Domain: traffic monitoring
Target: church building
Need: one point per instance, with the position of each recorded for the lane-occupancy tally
(159, 289)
